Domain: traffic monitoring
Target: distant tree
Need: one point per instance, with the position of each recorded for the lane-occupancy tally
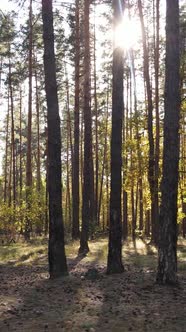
(56, 250)
(151, 163)
(114, 263)
(167, 251)
(12, 134)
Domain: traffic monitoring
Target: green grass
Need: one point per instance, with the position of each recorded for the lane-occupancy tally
(20, 252)
(138, 254)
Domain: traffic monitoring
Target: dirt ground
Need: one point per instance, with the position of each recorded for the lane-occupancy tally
(88, 299)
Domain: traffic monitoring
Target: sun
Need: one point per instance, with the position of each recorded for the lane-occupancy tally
(127, 33)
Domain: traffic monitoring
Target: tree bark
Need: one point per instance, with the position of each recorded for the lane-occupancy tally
(12, 136)
(29, 130)
(56, 249)
(88, 177)
(96, 128)
(167, 251)
(114, 262)
(157, 140)
(75, 168)
(103, 167)
(151, 175)
(6, 151)
(20, 148)
(38, 137)
(125, 139)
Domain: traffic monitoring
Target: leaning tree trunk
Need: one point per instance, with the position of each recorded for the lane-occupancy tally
(56, 249)
(167, 251)
(114, 263)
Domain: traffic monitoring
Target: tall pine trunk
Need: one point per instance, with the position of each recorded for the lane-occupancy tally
(103, 167)
(20, 147)
(56, 249)
(151, 165)
(88, 176)
(125, 138)
(75, 167)
(28, 225)
(38, 137)
(157, 140)
(6, 152)
(12, 136)
(167, 251)
(96, 125)
(114, 263)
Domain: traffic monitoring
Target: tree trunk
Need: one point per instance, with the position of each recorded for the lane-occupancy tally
(114, 263)
(1, 66)
(147, 223)
(88, 178)
(56, 249)
(20, 148)
(29, 132)
(12, 136)
(184, 220)
(75, 168)
(68, 200)
(38, 138)
(6, 151)
(125, 214)
(149, 124)
(157, 141)
(96, 127)
(125, 139)
(133, 226)
(167, 251)
(138, 143)
(46, 182)
(103, 167)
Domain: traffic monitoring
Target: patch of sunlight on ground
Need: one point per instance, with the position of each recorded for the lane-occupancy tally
(138, 252)
(98, 250)
(72, 248)
(140, 246)
(21, 252)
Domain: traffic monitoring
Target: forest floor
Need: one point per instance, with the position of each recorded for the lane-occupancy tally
(88, 299)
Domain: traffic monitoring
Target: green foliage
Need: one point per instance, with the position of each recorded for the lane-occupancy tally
(13, 217)
(7, 215)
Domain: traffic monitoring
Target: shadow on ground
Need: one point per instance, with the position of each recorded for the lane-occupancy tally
(89, 300)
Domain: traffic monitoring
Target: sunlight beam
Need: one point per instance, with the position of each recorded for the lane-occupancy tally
(127, 32)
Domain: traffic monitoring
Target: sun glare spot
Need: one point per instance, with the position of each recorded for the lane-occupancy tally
(127, 33)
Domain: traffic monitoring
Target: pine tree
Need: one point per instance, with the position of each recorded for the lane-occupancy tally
(56, 250)
(167, 251)
(114, 263)
(88, 177)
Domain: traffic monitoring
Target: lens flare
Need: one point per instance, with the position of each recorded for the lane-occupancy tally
(127, 33)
